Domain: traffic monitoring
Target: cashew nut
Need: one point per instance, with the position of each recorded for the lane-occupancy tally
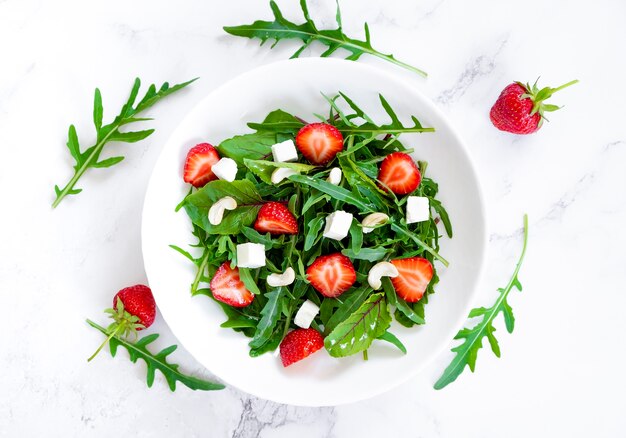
(216, 212)
(334, 177)
(284, 279)
(281, 173)
(379, 270)
(371, 220)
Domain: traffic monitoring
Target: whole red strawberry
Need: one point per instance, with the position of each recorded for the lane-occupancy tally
(298, 344)
(138, 301)
(520, 108)
(134, 309)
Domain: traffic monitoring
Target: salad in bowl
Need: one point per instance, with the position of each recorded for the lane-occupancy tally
(313, 235)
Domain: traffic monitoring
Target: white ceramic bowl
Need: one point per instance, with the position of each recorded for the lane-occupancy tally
(320, 380)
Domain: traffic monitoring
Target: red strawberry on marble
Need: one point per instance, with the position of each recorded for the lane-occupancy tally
(520, 108)
(134, 309)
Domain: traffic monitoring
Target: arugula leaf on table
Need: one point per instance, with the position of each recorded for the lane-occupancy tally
(467, 352)
(358, 331)
(138, 350)
(90, 157)
(307, 32)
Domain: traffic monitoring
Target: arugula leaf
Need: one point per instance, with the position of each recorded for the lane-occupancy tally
(357, 332)
(369, 254)
(314, 228)
(269, 318)
(307, 32)
(332, 190)
(401, 305)
(348, 303)
(154, 362)
(467, 352)
(392, 339)
(246, 277)
(420, 242)
(90, 157)
(369, 130)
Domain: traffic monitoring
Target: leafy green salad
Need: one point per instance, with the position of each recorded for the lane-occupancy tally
(315, 235)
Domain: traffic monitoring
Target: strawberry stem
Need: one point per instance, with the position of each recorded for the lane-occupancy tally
(113, 333)
(565, 85)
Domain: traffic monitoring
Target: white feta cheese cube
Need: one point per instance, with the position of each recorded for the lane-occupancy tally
(285, 151)
(334, 177)
(306, 314)
(250, 255)
(225, 169)
(417, 209)
(337, 225)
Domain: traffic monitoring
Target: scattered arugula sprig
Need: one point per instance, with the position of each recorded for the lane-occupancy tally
(361, 315)
(138, 350)
(307, 32)
(111, 132)
(467, 352)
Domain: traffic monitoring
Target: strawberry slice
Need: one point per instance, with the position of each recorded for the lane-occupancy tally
(275, 218)
(298, 344)
(198, 163)
(319, 142)
(331, 275)
(414, 275)
(399, 172)
(228, 288)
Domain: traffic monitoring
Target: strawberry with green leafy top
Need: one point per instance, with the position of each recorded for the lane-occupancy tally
(520, 108)
(134, 309)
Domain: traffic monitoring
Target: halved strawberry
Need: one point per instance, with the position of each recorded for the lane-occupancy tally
(414, 275)
(319, 142)
(275, 218)
(198, 163)
(298, 344)
(399, 172)
(228, 288)
(331, 275)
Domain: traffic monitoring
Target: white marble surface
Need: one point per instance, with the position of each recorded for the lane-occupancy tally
(562, 371)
